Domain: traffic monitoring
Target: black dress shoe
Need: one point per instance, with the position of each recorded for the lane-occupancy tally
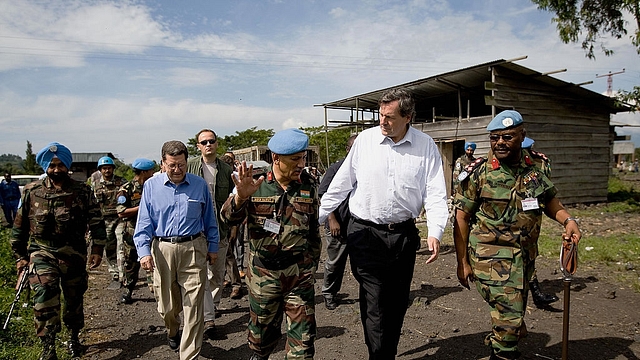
(330, 302)
(174, 341)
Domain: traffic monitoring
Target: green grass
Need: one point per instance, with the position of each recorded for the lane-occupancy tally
(619, 254)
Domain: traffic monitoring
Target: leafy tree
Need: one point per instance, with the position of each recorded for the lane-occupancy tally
(337, 139)
(30, 165)
(244, 139)
(10, 163)
(595, 19)
(123, 170)
(241, 140)
(630, 97)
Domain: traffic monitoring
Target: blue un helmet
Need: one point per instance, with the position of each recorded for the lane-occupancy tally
(105, 160)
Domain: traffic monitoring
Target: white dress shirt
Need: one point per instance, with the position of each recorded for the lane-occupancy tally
(391, 182)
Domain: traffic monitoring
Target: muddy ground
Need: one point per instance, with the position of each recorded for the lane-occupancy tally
(443, 321)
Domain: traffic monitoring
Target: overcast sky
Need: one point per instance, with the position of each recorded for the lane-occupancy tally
(125, 76)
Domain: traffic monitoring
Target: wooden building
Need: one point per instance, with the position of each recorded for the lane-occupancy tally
(85, 164)
(569, 124)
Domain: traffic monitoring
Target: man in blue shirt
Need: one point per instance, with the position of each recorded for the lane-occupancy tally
(9, 198)
(177, 213)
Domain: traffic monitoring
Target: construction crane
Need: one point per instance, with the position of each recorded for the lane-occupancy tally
(610, 81)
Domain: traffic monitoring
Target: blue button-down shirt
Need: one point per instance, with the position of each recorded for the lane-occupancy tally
(167, 209)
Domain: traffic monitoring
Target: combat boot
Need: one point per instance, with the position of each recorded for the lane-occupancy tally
(540, 299)
(48, 348)
(75, 348)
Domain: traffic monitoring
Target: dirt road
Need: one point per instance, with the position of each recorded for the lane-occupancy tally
(443, 321)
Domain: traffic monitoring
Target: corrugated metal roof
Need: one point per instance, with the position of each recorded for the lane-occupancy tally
(470, 78)
(90, 157)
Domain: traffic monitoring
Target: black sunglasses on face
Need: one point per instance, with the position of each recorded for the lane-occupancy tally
(505, 137)
(205, 142)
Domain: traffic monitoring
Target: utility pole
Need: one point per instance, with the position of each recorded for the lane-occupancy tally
(610, 81)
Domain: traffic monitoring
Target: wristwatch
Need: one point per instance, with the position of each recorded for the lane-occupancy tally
(569, 219)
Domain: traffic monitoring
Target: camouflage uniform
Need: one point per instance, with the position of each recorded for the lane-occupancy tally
(49, 231)
(105, 192)
(129, 196)
(281, 267)
(503, 238)
(462, 162)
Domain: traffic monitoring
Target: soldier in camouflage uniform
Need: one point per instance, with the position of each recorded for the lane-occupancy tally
(105, 191)
(463, 161)
(128, 200)
(284, 247)
(48, 236)
(499, 204)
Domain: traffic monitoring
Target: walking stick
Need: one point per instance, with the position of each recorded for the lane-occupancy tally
(568, 264)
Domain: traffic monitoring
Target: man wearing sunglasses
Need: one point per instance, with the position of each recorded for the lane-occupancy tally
(499, 204)
(217, 174)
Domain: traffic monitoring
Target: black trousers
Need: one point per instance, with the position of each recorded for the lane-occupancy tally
(382, 262)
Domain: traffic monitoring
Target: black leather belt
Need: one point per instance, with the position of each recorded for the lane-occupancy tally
(178, 239)
(410, 223)
(281, 262)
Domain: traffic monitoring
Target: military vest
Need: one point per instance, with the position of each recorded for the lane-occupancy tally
(106, 194)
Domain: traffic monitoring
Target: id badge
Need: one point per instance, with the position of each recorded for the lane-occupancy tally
(530, 204)
(272, 226)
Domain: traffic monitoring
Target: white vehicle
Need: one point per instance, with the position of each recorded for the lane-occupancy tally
(22, 180)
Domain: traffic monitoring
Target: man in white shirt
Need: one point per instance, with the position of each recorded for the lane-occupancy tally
(391, 173)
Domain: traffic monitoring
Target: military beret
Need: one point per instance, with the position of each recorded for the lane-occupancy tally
(54, 149)
(289, 141)
(505, 120)
(142, 164)
(470, 145)
(527, 143)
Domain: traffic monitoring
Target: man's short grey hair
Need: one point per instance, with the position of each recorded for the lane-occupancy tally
(405, 101)
(174, 148)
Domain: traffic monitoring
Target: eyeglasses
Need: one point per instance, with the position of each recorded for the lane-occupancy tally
(172, 167)
(210, 142)
(505, 137)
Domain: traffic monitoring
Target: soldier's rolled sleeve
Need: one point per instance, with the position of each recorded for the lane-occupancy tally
(232, 215)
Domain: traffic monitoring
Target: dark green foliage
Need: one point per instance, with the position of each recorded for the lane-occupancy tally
(30, 165)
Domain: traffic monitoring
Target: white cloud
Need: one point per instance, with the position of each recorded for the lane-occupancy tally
(129, 127)
(189, 77)
(337, 12)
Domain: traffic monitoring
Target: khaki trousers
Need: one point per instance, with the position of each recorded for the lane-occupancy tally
(215, 278)
(179, 283)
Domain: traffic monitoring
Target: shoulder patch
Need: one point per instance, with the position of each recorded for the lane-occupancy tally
(539, 155)
(470, 168)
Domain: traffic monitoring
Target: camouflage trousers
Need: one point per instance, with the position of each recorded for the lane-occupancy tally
(114, 248)
(274, 293)
(508, 306)
(131, 266)
(49, 276)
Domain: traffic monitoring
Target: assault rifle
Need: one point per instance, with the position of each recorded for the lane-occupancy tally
(24, 279)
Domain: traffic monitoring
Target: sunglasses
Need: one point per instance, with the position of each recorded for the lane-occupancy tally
(496, 137)
(205, 142)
